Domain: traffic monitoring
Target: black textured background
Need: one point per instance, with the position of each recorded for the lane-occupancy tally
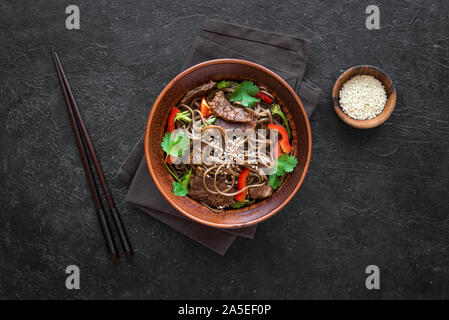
(370, 197)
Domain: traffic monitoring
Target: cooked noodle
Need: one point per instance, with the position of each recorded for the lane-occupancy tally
(221, 172)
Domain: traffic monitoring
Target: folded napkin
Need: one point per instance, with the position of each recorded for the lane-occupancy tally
(283, 54)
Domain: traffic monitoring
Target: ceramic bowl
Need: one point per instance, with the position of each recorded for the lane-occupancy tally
(237, 70)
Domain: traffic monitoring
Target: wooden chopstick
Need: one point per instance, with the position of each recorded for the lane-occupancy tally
(85, 147)
(106, 230)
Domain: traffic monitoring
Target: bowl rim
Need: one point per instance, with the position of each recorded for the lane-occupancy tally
(147, 137)
(370, 123)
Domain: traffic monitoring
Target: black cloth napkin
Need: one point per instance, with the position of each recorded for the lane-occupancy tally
(285, 55)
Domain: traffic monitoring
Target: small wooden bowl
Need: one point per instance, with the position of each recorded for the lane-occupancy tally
(379, 75)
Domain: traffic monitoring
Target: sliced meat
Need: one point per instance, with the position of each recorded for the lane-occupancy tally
(224, 109)
(235, 125)
(198, 192)
(202, 90)
(260, 192)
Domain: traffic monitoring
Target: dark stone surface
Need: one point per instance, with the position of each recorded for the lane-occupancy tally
(370, 197)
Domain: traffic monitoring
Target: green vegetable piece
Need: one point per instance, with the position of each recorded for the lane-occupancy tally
(175, 145)
(224, 84)
(276, 109)
(168, 142)
(275, 181)
(165, 144)
(182, 188)
(182, 145)
(183, 117)
(244, 92)
(210, 121)
(285, 164)
(239, 204)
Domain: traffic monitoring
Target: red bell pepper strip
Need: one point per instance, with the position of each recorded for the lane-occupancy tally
(264, 97)
(284, 143)
(171, 119)
(205, 109)
(241, 183)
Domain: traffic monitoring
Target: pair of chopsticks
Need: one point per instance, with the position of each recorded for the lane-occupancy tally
(86, 148)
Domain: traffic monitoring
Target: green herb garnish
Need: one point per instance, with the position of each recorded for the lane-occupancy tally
(239, 204)
(275, 181)
(285, 164)
(175, 145)
(182, 188)
(224, 84)
(244, 93)
(167, 143)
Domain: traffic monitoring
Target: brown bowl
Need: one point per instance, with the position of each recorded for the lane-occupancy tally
(379, 75)
(237, 70)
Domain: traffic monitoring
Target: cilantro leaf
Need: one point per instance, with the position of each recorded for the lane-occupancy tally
(244, 93)
(181, 144)
(179, 189)
(182, 188)
(165, 144)
(175, 145)
(239, 204)
(275, 181)
(285, 164)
